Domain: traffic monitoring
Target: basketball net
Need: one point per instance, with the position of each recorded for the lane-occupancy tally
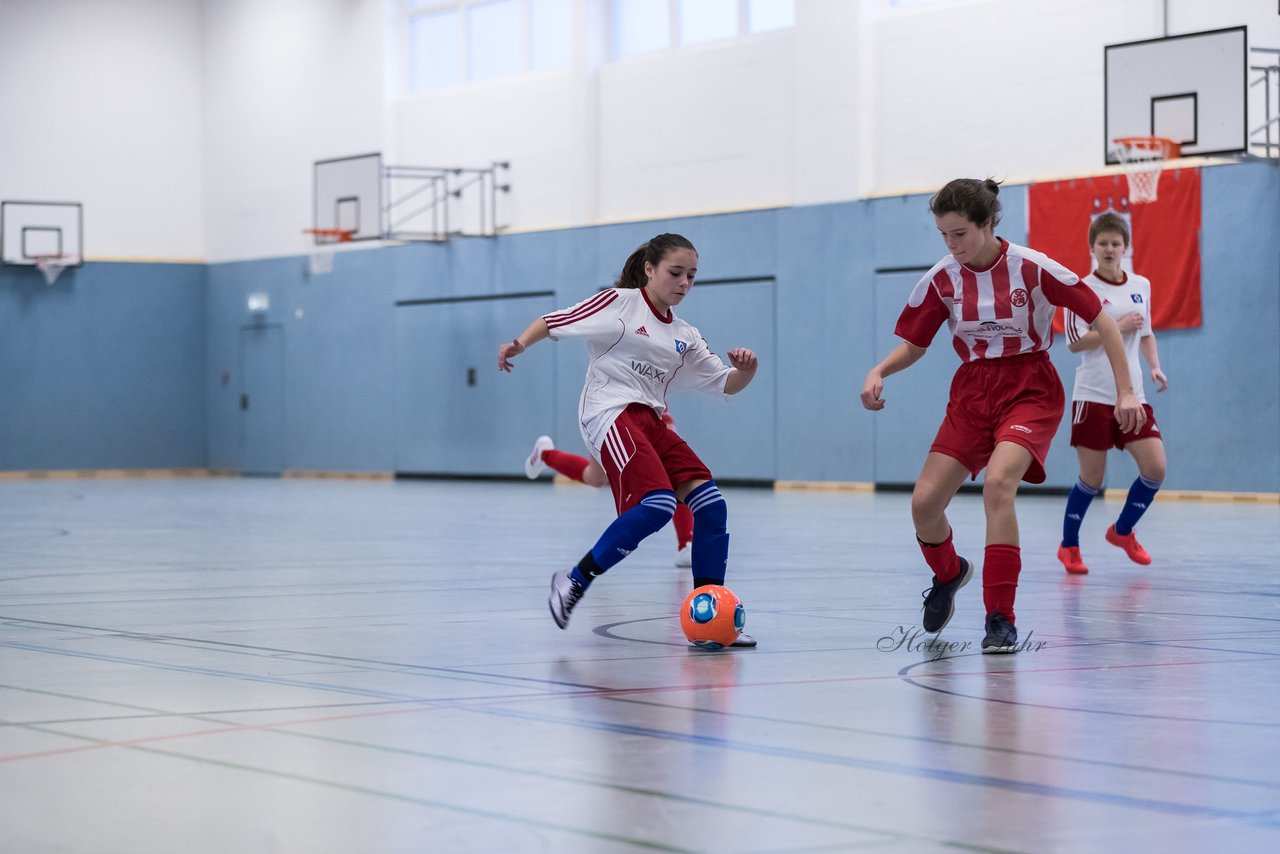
(321, 261)
(1142, 158)
(51, 266)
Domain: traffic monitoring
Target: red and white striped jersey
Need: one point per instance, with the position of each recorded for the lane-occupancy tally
(1003, 310)
(636, 355)
(1094, 380)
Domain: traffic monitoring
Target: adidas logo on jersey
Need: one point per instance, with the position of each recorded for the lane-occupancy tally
(642, 331)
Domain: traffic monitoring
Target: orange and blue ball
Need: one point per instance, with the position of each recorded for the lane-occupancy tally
(712, 617)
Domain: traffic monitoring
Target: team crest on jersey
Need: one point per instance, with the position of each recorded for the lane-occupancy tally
(1136, 297)
(1018, 297)
(681, 346)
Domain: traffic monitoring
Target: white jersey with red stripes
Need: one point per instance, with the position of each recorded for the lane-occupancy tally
(1005, 309)
(636, 355)
(1094, 380)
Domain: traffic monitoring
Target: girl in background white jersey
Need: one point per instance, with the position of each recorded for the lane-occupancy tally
(1006, 399)
(1127, 298)
(639, 350)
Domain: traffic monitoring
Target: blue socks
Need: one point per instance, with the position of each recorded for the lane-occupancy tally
(1141, 494)
(710, 534)
(625, 533)
(1078, 501)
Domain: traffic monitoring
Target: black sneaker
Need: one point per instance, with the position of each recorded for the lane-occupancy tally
(1002, 635)
(940, 599)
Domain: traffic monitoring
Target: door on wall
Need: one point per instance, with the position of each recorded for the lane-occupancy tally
(915, 399)
(262, 425)
(455, 412)
(736, 438)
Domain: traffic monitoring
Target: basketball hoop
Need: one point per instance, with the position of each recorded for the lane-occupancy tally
(331, 235)
(321, 261)
(1142, 158)
(51, 266)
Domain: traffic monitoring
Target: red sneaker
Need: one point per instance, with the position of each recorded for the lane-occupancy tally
(1130, 544)
(1070, 557)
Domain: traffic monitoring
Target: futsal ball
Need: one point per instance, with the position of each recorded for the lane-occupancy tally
(712, 617)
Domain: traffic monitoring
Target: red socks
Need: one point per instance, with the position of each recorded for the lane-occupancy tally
(569, 465)
(683, 522)
(941, 558)
(1000, 569)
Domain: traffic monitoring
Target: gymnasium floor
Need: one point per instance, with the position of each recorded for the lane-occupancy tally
(256, 665)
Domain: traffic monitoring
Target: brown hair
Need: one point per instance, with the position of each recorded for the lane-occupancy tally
(1109, 222)
(973, 199)
(653, 252)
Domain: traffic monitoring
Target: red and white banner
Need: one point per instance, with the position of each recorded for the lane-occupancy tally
(1164, 236)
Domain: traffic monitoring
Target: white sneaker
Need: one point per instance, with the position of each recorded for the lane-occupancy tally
(565, 593)
(684, 556)
(534, 466)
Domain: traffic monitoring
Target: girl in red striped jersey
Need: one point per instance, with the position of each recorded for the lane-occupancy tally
(639, 350)
(1006, 398)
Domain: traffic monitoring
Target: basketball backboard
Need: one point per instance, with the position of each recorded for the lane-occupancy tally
(1189, 88)
(348, 195)
(30, 231)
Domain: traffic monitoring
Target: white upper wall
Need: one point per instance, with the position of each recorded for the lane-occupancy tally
(287, 82)
(1010, 88)
(101, 104)
(189, 127)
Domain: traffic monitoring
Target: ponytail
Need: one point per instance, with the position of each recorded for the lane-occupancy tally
(633, 274)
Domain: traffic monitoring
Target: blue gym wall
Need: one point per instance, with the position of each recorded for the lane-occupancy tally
(103, 369)
(389, 361)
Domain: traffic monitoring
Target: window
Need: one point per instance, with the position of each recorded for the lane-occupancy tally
(642, 26)
(435, 59)
(550, 34)
(457, 41)
(763, 15)
(707, 20)
(494, 35)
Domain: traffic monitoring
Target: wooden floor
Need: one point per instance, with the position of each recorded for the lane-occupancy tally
(256, 665)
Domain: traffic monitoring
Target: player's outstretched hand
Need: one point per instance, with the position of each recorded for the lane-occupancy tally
(1158, 377)
(743, 359)
(871, 388)
(507, 352)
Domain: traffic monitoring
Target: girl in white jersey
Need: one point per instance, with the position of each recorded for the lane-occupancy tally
(1127, 298)
(639, 350)
(1006, 399)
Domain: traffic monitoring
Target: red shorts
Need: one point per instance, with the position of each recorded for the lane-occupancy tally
(1093, 426)
(1011, 399)
(641, 454)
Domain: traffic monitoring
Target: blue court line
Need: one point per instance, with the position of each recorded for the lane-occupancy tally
(1113, 713)
(940, 774)
(209, 671)
(608, 693)
(295, 655)
(389, 795)
(942, 742)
